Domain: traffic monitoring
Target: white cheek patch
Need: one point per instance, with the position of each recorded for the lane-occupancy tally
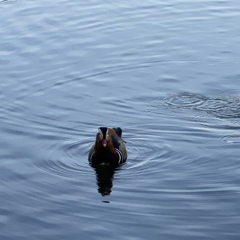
(101, 134)
(107, 135)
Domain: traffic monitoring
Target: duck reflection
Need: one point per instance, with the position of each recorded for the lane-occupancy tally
(104, 176)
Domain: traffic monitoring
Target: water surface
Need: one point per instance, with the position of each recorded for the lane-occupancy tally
(166, 72)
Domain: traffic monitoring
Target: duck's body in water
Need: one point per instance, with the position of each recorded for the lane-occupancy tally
(108, 147)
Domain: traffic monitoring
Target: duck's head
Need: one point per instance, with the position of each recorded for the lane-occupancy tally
(102, 136)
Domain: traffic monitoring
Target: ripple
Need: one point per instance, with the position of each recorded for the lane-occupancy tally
(221, 109)
(184, 100)
(144, 159)
(235, 138)
(67, 160)
(218, 114)
(6, 1)
(219, 106)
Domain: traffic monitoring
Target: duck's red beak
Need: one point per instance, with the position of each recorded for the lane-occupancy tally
(104, 142)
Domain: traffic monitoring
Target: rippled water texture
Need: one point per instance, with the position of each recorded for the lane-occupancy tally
(166, 72)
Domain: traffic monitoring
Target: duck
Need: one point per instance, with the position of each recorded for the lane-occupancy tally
(108, 148)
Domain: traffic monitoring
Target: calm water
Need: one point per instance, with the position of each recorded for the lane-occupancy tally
(167, 72)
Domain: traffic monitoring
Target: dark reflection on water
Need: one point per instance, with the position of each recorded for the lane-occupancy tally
(104, 176)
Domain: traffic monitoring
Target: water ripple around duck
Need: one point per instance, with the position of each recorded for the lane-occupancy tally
(146, 159)
(67, 160)
(70, 159)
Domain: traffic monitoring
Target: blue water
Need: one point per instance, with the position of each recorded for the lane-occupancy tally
(166, 72)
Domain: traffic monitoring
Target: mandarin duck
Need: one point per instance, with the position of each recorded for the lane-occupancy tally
(108, 147)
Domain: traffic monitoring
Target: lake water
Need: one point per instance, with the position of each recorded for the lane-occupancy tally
(166, 72)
